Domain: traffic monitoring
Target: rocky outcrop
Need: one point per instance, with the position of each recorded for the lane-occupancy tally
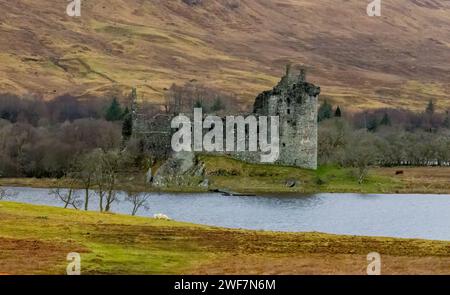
(180, 169)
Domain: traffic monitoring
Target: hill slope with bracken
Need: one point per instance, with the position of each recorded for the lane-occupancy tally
(400, 59)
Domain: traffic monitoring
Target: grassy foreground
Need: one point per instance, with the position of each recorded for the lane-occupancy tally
(37, 239)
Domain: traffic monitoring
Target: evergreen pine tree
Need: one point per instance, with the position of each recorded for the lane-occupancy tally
(338, 112)
(372, 123)
(198, 104)
(217, 105)
(430, 107)
(325, 111)
(385, 120)
(114, 111)
(127, 124)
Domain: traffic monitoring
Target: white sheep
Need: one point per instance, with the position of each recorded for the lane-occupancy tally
(161, 216)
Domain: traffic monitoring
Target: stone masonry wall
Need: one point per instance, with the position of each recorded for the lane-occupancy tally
(294, 100)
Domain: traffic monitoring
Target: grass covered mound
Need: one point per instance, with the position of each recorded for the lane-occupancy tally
(37, 239)
(225, 172)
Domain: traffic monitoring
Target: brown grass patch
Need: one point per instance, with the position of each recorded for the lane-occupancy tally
(19, 256)
(420, 179)
(322, 264)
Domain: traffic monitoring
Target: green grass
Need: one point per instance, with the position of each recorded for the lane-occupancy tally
(108, 243)
(335, 179)
(240, 176)
(37, 239)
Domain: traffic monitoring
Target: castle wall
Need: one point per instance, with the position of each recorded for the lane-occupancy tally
(298, 133)
(294, 100)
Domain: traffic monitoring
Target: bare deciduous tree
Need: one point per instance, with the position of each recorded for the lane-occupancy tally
(110, 163)
(361, 153)
(85, 168)
(6, 193)
(138, 200)
(3, 194)
(99, 176)
(192, 94)
(107, 166)
(68, 195)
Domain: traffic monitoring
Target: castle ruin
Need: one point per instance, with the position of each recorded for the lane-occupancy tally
(293, 99)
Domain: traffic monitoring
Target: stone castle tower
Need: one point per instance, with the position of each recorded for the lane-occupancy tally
(293, 99)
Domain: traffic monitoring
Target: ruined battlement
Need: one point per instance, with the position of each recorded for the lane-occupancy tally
(293, 100)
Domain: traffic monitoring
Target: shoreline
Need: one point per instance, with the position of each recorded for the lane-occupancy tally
(233, 186)
(236, 177)
(189, 190)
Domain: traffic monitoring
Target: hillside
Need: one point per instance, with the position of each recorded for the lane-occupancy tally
(400, 59)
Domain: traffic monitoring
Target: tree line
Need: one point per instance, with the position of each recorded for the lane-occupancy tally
(84, 143)
(52, 138)
(383, 137)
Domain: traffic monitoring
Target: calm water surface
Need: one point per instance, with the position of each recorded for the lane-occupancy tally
(407, 216)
